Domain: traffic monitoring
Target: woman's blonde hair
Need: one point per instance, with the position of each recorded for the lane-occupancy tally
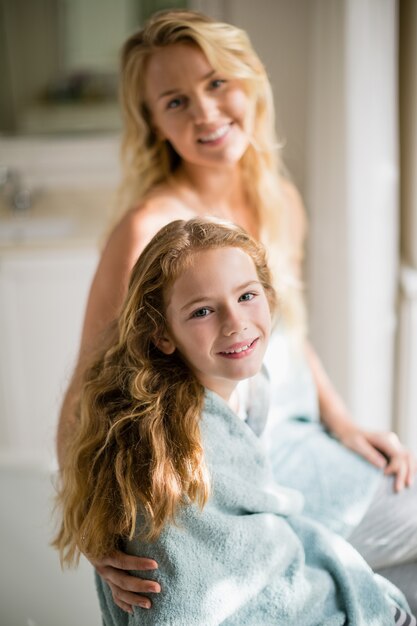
(148, 160)
(138, 437)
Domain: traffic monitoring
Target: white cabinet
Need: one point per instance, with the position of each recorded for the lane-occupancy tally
(42, 300)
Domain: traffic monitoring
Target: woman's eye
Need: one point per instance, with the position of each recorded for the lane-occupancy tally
(175, 103)
(203, 312)
(216, 83)
(246, 297)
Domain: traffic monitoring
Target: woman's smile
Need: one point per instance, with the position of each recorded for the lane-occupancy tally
(215, 136)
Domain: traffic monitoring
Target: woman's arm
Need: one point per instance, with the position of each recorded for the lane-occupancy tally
(104, 301)
(107, 292)
(383, 449)
(106, 295)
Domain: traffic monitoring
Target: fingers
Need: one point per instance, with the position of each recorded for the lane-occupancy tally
(127, 589)
(127, 582)
(403, 467)
(358, 443)
(372, 455)
(397, 468)
(122, 605)
(385, 450)
(123, 561)
(127, 600)
(412, 470)
(387, 443)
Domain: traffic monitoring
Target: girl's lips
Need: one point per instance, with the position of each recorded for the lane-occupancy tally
(240, 350)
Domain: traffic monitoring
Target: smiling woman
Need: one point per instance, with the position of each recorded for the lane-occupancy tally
(198, 110)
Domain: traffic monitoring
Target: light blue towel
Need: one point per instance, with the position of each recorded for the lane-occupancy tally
(250, 558)
(338, 485)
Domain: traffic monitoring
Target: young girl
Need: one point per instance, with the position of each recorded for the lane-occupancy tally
(161, 464)
(200, 140)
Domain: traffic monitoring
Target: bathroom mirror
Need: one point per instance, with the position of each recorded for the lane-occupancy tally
(59, 62)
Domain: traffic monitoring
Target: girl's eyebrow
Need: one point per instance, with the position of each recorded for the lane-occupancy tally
(204, 298)
(171, 92)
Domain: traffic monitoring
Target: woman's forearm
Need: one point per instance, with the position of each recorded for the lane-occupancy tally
(333, 411)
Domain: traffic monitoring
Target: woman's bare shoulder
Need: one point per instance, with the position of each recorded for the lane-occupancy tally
(140, 223)
(123, 246)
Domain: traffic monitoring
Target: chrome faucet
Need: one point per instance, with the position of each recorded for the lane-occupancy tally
(18, 196)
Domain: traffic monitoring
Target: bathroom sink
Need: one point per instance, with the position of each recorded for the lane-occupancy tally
(23, 228)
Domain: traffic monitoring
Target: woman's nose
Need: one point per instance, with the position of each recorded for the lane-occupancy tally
(203, 108)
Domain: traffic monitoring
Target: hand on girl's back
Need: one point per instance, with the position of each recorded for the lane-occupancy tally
(127, 589)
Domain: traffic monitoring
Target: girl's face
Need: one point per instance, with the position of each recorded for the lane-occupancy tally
(201, 113)
(218, 318)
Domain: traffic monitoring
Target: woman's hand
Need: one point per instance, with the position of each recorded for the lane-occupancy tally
(384, 450)
(125, 587)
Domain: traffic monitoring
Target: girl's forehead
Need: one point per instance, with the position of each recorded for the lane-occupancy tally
(222, 264)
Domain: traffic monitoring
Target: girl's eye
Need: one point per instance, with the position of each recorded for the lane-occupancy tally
(203, 312)
(175, 103)
(246, 297)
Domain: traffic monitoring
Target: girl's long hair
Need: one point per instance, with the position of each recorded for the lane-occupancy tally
(149, 161)
(137, 438)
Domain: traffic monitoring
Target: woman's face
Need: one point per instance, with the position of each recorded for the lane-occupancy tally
(201, 113)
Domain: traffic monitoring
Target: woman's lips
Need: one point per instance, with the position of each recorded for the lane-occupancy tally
(215, 136)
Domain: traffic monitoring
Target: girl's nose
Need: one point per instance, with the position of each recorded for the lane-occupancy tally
(233, 322)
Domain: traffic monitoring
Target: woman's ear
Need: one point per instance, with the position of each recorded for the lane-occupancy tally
(165, 344)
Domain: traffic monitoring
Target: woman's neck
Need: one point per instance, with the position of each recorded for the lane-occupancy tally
(216, 191)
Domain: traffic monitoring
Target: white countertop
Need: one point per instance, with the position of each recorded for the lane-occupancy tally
(57, 219)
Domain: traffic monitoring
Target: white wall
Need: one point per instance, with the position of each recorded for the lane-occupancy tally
(352, 192)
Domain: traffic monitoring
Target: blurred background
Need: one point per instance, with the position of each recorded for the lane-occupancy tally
(344, 74)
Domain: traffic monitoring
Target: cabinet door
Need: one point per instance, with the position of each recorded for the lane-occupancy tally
(42, 299)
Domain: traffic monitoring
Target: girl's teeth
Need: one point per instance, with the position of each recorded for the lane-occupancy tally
(238, 350)
(220, 132)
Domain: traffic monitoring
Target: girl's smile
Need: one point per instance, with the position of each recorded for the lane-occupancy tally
(218, 318)
(240, 350)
